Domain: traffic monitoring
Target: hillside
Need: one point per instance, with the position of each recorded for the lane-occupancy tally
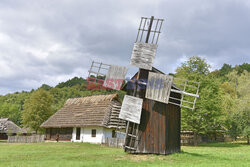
(11, 105)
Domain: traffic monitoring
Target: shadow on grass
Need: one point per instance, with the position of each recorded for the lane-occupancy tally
(204, 156)
(192, 154)
(3, 141)
(224, 144)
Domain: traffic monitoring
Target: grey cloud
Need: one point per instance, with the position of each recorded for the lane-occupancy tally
(48, 42)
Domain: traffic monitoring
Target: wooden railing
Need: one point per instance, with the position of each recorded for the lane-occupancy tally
(114, 142)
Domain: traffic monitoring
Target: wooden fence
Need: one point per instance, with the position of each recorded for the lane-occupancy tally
(26, 139)
(187, 138)
(114, 142)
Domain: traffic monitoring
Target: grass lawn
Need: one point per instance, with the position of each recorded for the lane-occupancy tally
(84, 154)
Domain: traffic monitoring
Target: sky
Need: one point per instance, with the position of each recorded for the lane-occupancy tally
(51, 41)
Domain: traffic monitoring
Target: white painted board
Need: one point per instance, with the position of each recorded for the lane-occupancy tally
(131, 109)
(159, 87)
(115, 77)
(143, 55)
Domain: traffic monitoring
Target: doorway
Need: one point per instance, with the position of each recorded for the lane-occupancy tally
(78, 133)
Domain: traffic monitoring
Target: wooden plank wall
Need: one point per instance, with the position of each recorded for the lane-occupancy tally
(65, 134)
(3, 136)
(159, 130)
(173, 123)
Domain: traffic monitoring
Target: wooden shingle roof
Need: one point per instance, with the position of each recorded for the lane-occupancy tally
(102, 110)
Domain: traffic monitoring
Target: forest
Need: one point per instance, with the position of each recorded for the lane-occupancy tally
(223, 105)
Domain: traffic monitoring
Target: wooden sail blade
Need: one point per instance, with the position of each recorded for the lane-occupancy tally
(115, 77)
(158, 87)
(131, 109)
(143, 55)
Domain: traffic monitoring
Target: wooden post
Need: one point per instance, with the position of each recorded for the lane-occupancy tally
(143, 74)
(149, 28)
(126, 135)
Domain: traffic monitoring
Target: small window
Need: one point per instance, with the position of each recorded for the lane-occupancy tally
(93, 133)
(113, 134)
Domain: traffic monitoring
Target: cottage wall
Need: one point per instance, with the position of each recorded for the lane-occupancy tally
(108, 133)
(86, 136)
(101, 135)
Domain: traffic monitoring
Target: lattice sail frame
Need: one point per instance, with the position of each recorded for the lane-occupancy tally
(162, 90)
(189, 91)
(97, 74)
(144, 27)
(106, 76)
(143, 53)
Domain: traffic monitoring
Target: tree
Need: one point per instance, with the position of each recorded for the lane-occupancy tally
(10, 111)
(243, 101)
(45, 87)
(229, 106)
(225, 69)
(37, 109)
(205, 118)
(193, 69)
(238, 111)
(71, 82)
(241, 68)
(11, 106)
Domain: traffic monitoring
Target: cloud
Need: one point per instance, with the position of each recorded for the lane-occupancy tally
(48, 41)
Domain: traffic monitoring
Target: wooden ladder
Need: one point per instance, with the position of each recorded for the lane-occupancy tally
(131, 138)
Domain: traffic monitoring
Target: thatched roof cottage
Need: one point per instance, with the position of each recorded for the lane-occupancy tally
(7, 127)
(87, 119)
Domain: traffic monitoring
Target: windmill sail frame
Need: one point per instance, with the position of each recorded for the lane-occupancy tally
(106, 76)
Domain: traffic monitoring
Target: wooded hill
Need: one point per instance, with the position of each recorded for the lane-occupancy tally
(12, 105)
(223, 104)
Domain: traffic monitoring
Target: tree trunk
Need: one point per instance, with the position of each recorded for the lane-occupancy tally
(247, 139)
(195, 139)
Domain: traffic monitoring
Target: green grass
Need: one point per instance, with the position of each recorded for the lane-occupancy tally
(84, 154)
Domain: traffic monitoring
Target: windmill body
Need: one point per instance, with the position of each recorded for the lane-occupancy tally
(152, 106)
(159, 129)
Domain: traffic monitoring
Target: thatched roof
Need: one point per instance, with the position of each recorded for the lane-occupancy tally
(7, 126)
(25, 130)
(102, 110)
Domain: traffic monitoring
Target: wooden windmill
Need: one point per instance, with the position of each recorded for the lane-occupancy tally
(152, 108)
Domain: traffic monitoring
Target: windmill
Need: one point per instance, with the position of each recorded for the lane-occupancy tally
(154, 95)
